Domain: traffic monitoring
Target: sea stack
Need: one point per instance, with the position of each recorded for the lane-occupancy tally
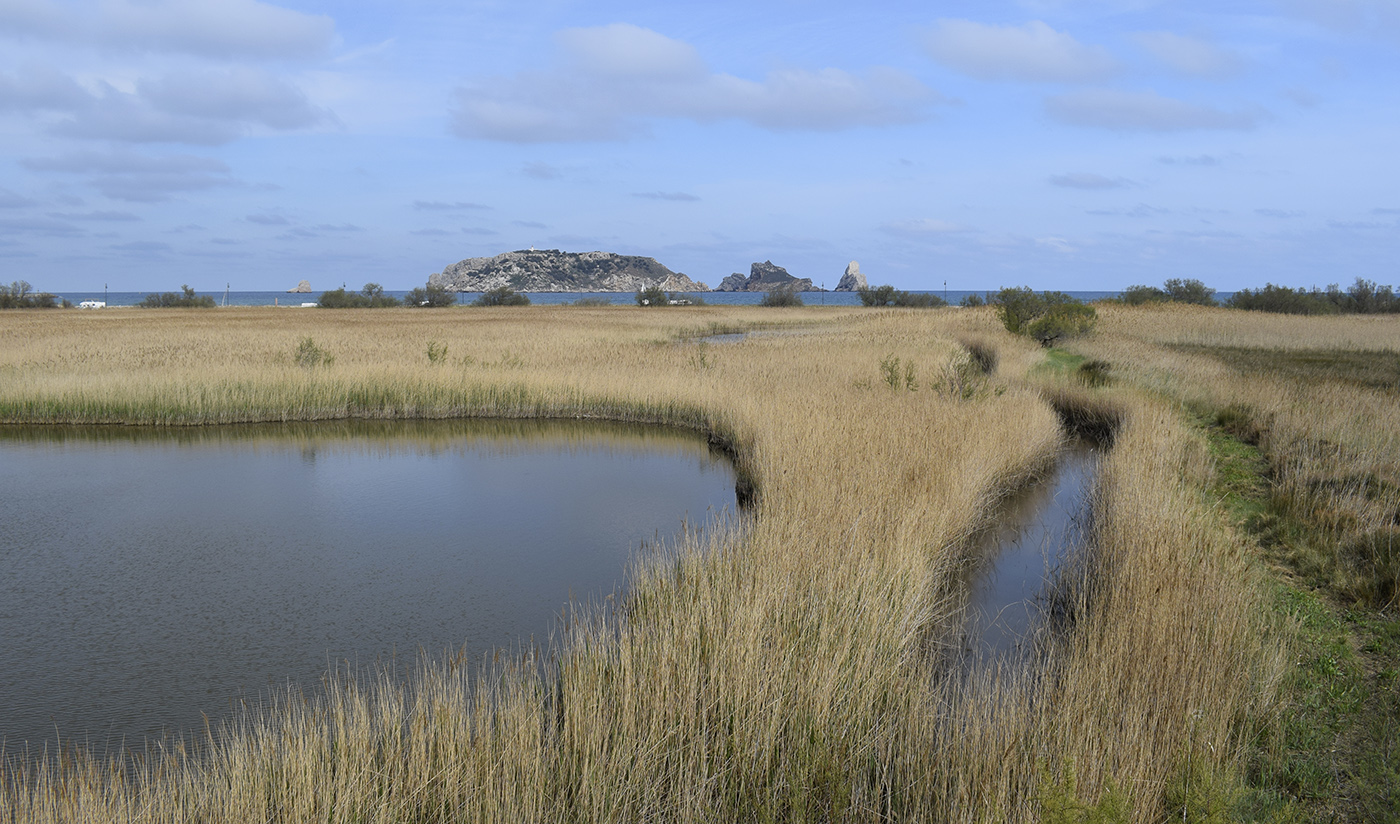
(303, 287)
(853, 280)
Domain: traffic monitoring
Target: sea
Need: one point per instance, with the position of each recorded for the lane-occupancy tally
(295, 299)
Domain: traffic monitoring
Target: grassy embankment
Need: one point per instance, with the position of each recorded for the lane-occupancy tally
(1303, 420)
(786, 670)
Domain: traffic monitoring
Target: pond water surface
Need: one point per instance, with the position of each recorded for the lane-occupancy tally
(1034, 533)
(149, 577)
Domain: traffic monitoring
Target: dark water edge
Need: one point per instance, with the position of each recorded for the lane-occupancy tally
(150, 577)
(1010, 582)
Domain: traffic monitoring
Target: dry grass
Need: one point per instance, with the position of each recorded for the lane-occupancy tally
(780, 671)
(1312, 393)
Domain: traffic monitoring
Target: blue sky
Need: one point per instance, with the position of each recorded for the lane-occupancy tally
(1057, 144)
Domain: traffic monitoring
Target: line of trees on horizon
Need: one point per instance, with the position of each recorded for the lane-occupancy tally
(1364, 297)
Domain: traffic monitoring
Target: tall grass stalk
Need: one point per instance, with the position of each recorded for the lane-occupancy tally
(781, 668)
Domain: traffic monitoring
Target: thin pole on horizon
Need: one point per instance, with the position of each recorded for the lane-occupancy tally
(945, 291)
(104, 296)
(823, 293)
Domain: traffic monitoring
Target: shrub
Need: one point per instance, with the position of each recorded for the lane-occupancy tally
(167, 300)
(18, 295)
(308, 355)
(501, 296)
(781, 297)
(1094, 372)
(1180, 290)
(371, 297)
(592, 302)
(889, 296)
(1048, 317)
(1284, 300)
(984, 354)
(437, 352)
(431, 297)
(651, 296)
(1175, 290)
(973, 300)
(896, 376)
(1138, 295)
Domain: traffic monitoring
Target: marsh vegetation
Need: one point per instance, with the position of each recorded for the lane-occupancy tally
(794, 668)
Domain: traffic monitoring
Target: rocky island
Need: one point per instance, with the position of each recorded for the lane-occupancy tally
(550, 270)
(764, 277)
(852, 280)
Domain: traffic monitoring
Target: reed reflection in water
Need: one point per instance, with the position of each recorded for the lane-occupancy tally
(149, 577)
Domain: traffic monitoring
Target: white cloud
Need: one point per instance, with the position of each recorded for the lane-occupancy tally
(106, 216)
(444, 206)
(138, 178)
(1349, 15)
(1033, 52)
(1088, 180)
(202, 108)
(1190, 55)
(682, 197)
(40, 88)
(245, 95)
(127, 118)
(628, 52)
(924, 227)
(1142, 111)
(13, 200)
(607, 81)
(211, 28)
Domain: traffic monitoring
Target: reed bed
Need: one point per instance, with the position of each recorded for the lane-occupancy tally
(1294, 386)
(784, 667)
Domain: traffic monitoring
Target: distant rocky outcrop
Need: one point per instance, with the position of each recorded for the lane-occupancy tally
(853, 280)
(764, 277)
(550, 270)
(682, 283)
(303, 287)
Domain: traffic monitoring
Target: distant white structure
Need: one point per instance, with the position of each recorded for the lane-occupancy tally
(93, 304)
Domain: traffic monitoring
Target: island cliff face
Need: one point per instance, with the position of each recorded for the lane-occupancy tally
(852, 280)
(551, 270)
(764, 277)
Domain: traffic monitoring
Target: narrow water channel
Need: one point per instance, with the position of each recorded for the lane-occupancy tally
(151, 577)
(1016, 561)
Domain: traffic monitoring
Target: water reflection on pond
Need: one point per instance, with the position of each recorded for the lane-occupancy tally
(150, 576)
(1035, 532)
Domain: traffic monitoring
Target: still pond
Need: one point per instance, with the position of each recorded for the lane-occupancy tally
(152, 577)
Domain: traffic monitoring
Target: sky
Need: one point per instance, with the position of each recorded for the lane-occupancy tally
(1057, 144)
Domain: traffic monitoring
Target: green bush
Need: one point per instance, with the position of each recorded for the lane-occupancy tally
(501, 296)
(1179, 290)
(781, 297)
(1138, 295)
(1175, 290)
(308, 355)
(430, 297)
(1048, 317)
(437, 352)
(651, 296)
(889, 296)
(18, 295)
(1284, 300)
(371, 297)
(167, 300)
